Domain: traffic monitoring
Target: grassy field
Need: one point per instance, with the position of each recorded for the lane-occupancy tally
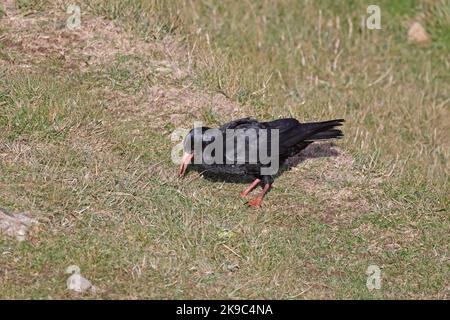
(86, 117)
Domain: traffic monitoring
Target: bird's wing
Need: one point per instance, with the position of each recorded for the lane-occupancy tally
(240, 124)
(290, 133)
(284, 125)
(242, 139)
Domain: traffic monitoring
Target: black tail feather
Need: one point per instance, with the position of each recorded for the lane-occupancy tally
(329, 134)
(299, 135)
(323, 130)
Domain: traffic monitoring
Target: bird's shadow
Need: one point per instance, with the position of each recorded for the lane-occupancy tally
(315, 150)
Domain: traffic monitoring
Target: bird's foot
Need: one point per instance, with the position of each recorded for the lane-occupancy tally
(252, 186)
(255, 202)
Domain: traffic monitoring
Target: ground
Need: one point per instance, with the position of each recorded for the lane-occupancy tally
(85, 149)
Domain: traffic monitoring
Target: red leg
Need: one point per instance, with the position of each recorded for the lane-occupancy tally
(250, 188)
(257, 201)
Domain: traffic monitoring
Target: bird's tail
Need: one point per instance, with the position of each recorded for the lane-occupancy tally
(324, 130)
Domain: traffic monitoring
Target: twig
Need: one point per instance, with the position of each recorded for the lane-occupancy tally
(234, 252)
(381, 78)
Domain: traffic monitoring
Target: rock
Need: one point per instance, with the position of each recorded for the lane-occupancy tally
(15, 225)
(417, 33)
(76, 282)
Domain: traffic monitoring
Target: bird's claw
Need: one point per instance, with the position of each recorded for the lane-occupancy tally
(255, 202)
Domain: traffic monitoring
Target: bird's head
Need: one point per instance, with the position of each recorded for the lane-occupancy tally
(194, 143)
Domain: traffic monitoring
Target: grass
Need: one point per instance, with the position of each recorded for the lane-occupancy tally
(85, 124)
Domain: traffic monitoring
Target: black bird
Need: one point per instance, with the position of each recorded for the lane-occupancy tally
(219, 150)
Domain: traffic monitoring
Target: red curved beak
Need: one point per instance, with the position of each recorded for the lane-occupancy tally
(187, 157)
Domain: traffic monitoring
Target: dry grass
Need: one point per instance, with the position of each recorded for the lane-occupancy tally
(85, 124)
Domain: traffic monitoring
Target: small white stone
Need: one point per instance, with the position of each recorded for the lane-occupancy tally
(417, 33)
(78, 283)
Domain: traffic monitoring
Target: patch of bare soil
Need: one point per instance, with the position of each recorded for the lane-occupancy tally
(178, 104)
(34, 39)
